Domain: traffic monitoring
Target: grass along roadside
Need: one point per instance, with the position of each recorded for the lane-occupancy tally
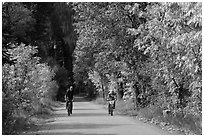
(27, 124)
(188, 125)
(43, 117)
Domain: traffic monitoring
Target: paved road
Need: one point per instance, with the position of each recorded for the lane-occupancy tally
(92, 119)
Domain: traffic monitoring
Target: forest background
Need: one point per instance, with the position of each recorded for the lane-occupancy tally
(149, 53)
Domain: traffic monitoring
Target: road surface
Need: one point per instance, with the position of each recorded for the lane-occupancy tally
(92, 119)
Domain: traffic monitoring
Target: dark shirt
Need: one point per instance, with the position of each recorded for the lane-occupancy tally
(69, 94)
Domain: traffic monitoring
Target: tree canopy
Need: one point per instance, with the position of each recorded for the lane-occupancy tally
(150, 51)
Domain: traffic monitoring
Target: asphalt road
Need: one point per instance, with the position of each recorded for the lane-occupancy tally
(92, 119)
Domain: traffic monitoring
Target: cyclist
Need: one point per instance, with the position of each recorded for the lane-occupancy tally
(69, 97)
(111, 96)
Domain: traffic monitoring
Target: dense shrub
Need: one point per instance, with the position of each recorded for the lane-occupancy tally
(26, 84)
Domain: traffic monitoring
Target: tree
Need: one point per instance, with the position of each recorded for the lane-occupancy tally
(103, 28)
(17, 25)
(173, 33)
(46, 25)
(153, 48)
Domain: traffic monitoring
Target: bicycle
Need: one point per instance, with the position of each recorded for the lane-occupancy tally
(111, 107)
(69, 107)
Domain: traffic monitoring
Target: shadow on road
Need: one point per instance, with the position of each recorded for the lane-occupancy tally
(88, 114)
(81, 114)
(63, 108)
(79, 126)
(84, 109)
(80, 99)
(74, 133)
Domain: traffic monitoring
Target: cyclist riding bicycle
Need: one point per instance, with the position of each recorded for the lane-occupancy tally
(111, 96)
(69, 97)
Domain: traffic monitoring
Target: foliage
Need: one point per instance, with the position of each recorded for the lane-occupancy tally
(148, 52)
(28, 80)
(92, 35)
(174, 35)
(17, 24)
(25, 84)
(45, 25)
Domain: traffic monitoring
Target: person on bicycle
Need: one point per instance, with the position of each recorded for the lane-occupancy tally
(69, 97)
(111, 96)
